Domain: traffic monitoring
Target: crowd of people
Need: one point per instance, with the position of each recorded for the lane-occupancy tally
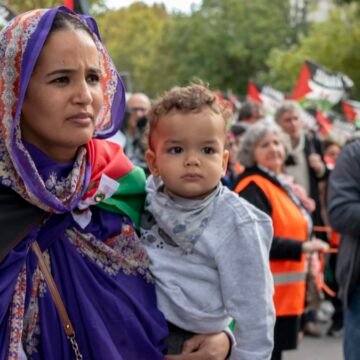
(175, 228)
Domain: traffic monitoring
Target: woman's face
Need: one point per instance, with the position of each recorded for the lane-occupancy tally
(64, 95)
(332, 152)
(269, 152)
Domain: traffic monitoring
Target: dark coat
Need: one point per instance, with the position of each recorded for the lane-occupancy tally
(313, 146)
(17, 218)
(344, 216)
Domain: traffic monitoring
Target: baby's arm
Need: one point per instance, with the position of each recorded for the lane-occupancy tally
(247, 287)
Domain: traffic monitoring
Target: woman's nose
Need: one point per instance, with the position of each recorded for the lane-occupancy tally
(273, 146)
(83, 93)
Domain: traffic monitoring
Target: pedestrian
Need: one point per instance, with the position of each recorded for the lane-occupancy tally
(74, 279)
(262, 152)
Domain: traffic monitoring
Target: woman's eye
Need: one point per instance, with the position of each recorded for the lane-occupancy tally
(61, 80)
(208, 150)
(175, 150)
(93, 78)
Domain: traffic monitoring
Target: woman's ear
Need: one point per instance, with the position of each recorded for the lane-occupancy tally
(150, 157)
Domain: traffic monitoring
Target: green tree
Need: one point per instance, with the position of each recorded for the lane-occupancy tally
(25, 5)
(334, 44)
(132, 36)
(223, 42)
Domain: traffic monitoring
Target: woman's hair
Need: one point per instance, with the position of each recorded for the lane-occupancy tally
(287, 106)
(253, 135)
(192, 98)
(66, 21)
(330, 142)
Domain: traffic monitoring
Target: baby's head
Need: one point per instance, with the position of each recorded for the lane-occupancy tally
(187, 134)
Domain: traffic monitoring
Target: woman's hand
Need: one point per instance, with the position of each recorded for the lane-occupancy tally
(316, 163)
(204, 347)
(314, 245)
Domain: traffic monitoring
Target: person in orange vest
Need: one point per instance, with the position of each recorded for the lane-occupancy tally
(262, 153)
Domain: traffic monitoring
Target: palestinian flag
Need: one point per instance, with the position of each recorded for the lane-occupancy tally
(351, 110)
(324, 124)
(116, 184)
(269, 97)
(253, 92)
(319, 85)
(79, 6)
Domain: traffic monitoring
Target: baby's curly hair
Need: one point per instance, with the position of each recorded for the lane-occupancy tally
(192, 98)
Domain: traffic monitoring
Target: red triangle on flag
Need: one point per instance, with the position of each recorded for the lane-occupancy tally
(325, 126)
(69, 4)
(349, 111)
(253, 93)
(302, 85)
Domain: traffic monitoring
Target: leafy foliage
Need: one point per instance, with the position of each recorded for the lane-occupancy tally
(132, 37)
(225, 42)
(26, 5)
(334, 44)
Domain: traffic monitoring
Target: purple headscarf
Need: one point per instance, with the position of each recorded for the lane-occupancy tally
(21, 42)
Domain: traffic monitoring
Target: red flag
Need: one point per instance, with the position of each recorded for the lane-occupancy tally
(325, 126)
(79, 6)
(351, 109)
(318, 84)
(69, 4)
(302, 85)
(253, 92)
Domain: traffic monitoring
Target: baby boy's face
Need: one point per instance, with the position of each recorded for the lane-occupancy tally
(189, 152)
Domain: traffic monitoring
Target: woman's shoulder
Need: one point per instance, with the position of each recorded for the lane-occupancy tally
(257, 178)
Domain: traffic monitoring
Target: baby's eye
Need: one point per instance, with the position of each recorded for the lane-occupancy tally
(208, 150)
(175, 150)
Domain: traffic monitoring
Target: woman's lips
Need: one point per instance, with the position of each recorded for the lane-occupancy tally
(82, 119)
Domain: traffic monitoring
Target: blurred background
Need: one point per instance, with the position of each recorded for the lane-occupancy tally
(306, 50)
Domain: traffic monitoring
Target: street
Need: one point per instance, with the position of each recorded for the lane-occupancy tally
(324, 348)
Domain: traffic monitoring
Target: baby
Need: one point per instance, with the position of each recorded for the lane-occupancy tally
(209, 248)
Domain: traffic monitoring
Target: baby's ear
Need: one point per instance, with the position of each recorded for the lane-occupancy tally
(225, 161)
(150, 157)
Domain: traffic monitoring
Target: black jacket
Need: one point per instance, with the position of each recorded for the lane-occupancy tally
(313, 146)
(344, 216)
(17, 218)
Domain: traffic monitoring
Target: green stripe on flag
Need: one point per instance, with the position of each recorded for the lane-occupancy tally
(129, 197)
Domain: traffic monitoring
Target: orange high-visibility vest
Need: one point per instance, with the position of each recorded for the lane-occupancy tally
(288, 222)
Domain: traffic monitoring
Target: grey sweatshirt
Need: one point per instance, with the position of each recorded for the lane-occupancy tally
(225, 275)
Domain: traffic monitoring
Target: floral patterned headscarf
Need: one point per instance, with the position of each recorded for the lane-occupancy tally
(21, 42)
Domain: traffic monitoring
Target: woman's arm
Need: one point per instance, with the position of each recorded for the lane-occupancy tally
(205, 347)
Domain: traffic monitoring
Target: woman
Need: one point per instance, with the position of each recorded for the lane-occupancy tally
(262, 153)
(69, 203)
